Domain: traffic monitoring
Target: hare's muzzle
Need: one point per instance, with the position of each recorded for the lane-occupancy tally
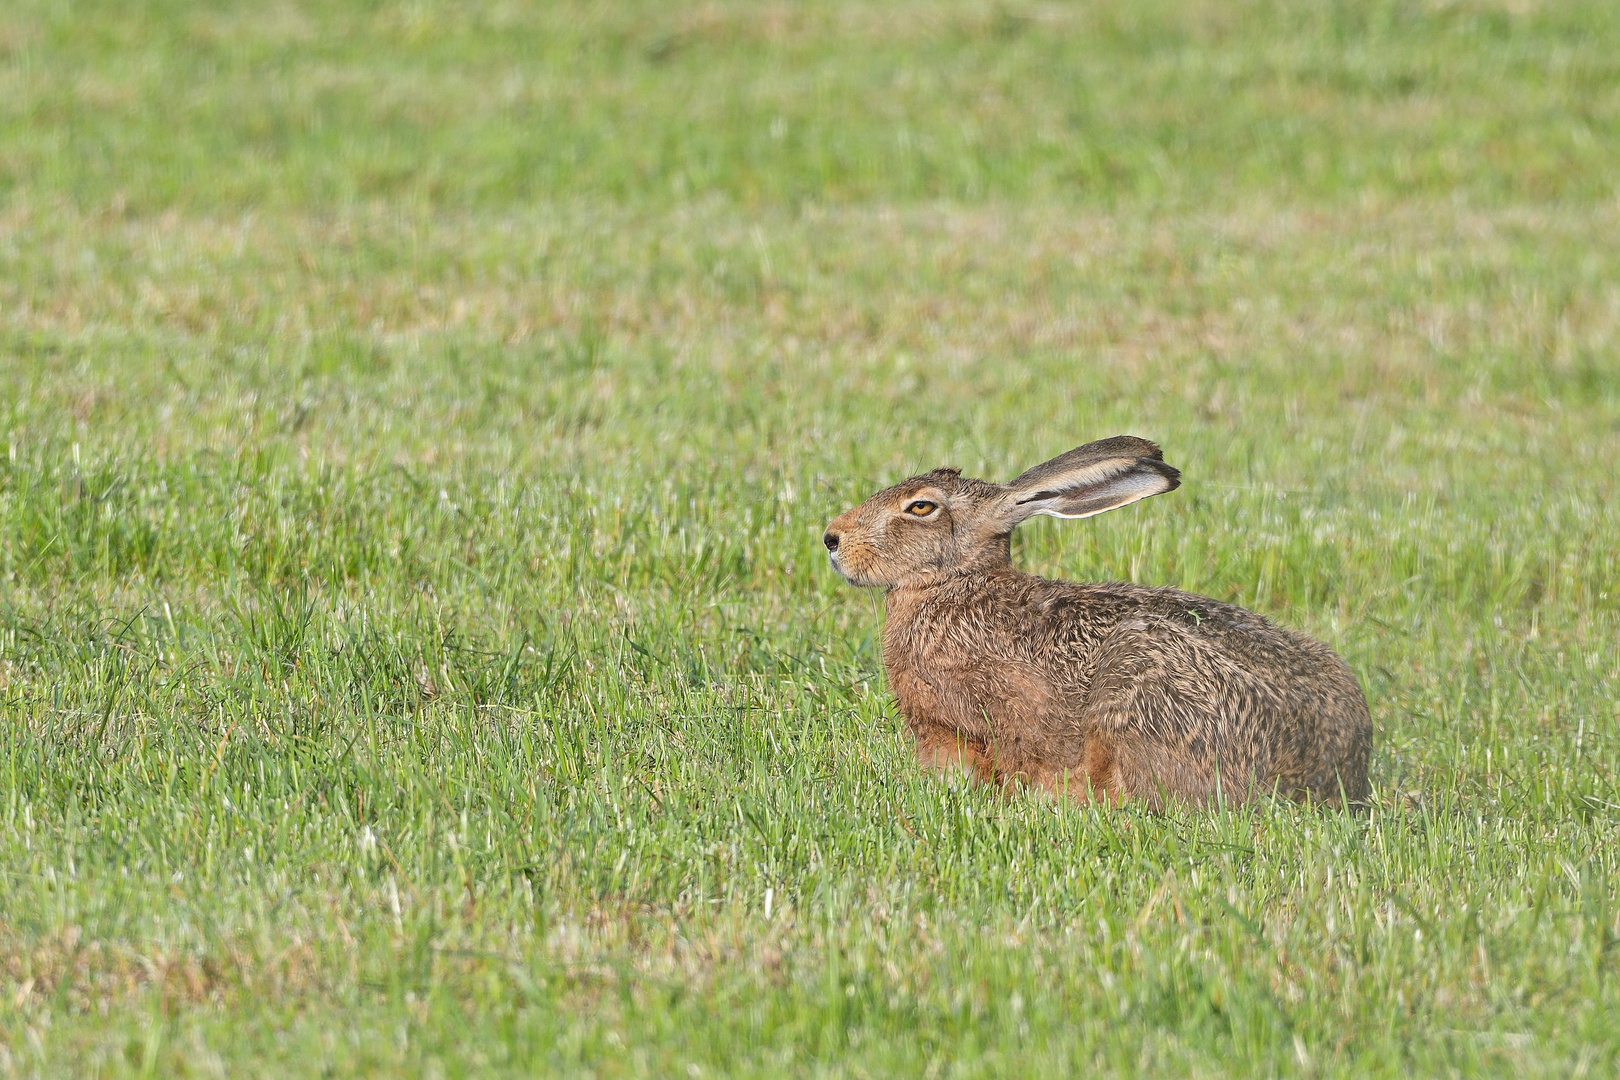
(840, 539)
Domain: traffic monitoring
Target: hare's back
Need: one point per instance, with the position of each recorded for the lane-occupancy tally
(1196, 685)
(1246, 639)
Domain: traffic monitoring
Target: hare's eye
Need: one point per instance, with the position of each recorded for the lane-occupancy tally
(921, 508)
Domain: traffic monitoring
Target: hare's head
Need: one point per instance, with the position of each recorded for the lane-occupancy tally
(942, 522)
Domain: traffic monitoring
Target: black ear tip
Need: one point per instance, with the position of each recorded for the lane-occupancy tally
(1126, 446)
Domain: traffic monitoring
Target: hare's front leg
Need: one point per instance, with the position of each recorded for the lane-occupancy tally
(938, 747)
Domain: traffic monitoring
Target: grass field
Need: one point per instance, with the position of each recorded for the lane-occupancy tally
(416, 652)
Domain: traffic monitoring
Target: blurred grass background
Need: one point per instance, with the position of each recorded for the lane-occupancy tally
(416, 652)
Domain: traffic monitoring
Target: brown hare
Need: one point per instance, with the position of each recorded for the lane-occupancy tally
(1107, 692)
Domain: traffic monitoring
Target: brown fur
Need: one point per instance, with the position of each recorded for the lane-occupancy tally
(1105, 692)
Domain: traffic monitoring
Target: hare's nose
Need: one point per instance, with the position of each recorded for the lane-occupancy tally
(831, 540)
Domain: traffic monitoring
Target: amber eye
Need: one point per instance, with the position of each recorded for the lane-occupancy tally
(921, 508)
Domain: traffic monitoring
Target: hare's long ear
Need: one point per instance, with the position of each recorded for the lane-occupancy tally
(1090, 479)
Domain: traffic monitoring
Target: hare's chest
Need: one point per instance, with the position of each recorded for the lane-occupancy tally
(989, 697)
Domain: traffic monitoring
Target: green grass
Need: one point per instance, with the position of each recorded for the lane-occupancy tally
(416, 652)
